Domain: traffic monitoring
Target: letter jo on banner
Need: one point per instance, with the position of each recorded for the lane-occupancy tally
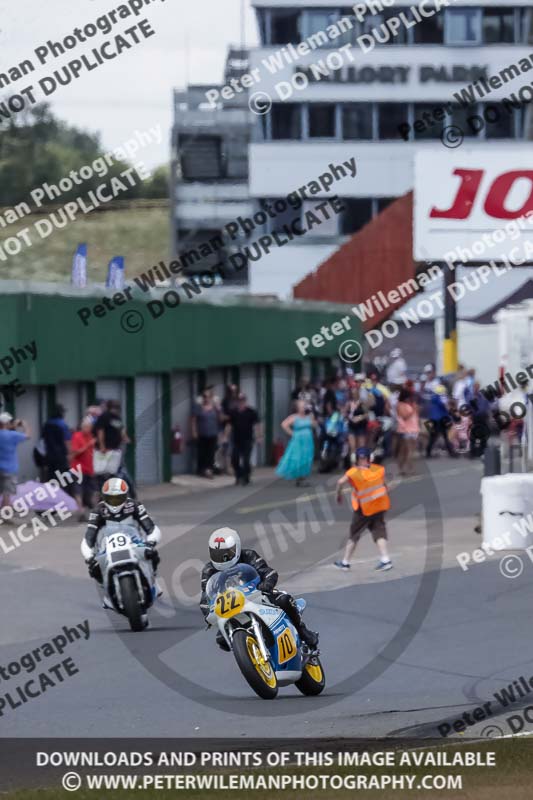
(468, 202)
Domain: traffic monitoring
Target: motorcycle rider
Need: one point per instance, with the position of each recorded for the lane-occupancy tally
(117, 506)
(226, 552)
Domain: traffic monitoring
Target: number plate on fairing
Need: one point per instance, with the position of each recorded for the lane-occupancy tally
(120, 555)
(229, 603)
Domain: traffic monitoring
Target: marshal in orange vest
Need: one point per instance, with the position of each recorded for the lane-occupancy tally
(369, 492)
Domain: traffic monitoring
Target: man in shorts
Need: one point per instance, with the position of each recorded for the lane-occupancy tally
(370, 501)
(11, 435)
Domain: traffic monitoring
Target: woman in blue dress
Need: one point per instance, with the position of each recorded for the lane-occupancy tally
(297, 460)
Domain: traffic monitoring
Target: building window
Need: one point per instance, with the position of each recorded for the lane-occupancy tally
(430, 30)
(200, 157)
(383, 202)
(350, 26)
(499, 124)
(383, 33)
(314, 23)
(463, 26)
(426, 128)
(463, 118)
(285, 26)
(328, 226)
(390, 117)
(358, 211)
(357, 121)
(498, 26)
(286, 121)
(279, 212)
(321, 120)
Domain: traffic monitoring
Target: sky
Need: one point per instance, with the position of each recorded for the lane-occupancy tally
(133, 91)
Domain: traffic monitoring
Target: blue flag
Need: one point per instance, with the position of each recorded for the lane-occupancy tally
(115, 273)
(79, 266)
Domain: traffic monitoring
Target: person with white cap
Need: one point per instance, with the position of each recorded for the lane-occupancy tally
(396, 370)
(12, 433)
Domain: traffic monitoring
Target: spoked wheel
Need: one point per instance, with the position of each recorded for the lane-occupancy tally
(258, 673)
(313, 680)
(132, 607)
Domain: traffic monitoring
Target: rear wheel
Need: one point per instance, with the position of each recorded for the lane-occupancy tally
(257, 672)
(130, 600)
(313, 680)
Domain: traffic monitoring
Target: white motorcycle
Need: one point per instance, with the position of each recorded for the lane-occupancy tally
(264, 642)
(128, 577)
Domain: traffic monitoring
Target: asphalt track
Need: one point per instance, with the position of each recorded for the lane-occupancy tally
(403, 651)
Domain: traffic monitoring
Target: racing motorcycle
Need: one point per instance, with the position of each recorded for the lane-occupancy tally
(266, 645)
(129, 582)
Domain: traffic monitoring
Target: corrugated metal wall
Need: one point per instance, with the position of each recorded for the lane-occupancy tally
(378, 257)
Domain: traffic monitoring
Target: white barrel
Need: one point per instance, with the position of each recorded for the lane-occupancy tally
(507, 511)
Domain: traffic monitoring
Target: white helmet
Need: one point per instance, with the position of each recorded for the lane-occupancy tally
(224, 548)
(115, 494)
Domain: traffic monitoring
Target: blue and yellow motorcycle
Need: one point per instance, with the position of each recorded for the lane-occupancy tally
(263, 640)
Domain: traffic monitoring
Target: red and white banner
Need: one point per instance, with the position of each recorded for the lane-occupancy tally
(474, 204)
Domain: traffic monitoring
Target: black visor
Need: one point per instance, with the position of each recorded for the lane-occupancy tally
(115, 499)
(221, 555)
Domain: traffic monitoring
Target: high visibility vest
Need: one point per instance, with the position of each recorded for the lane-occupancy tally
(369, 489)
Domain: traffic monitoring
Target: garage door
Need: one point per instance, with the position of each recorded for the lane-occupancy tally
(148, 439)
(282, 386)
(27, 407)
(68, 394)
(181, 393)
(112, 389)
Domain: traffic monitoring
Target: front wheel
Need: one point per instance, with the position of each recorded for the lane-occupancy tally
(313, 680)
(130, 601)
(257, 672)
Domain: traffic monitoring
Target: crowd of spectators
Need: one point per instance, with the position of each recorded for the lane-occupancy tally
(401, 414)
(96, 447)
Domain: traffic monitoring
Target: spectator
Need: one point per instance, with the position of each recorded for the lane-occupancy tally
(480, 430)
(460, 386)
(439, 421)
(341, 393)
(81, 457)
(407, 430)
(111, 436)
(297, 460)
(397, 370)
(244, 422)
(56, 437)
(382, 411)
(10, 438)
(329, 395)
(205, 426)
(230, 401)
(109, 428)
(357, 417)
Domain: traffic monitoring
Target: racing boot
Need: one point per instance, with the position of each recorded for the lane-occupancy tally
(308, 637)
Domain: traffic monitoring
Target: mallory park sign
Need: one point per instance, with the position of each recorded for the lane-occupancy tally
(425, 73)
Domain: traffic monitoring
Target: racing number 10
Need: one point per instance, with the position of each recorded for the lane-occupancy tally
(286, 646)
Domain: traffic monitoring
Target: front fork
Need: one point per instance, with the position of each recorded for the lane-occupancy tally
(258, 635)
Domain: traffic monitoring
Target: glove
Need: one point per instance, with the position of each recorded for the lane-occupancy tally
(265, 587)
(152, 555)
(92, 566)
